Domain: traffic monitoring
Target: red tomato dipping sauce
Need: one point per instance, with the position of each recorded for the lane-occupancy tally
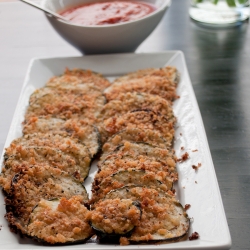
(108, 12)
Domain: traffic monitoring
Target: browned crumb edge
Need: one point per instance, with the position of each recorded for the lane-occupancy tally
(163, 218)
(115, 216)
(63, 223)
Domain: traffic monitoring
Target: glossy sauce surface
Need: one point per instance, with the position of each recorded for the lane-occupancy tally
(108, 12)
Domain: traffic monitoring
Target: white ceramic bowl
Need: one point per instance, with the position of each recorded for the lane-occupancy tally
(114, 38)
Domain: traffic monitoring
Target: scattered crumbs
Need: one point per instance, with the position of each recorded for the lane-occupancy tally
(184, 157)
(195, 150)
(187, 206)
(180, 134)
(1, 227)
(170, 192)
(124, 241)
(182, 148)
(194, 236)
(196, 167)
(196, 182)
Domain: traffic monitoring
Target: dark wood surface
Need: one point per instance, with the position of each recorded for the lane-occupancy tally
(218, 62)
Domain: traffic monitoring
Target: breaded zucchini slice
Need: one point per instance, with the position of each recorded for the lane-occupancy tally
(163, 217)
(38, 182)
(134, 135)
(141, 119)
(60, 221)
(30, 155)
(127, 177)
(161, 171)
(67, 145)
(80, 129)
(153, 85)
(113, 218)
(133, 150)
(82, 101)
(168, 72)
(79, 76)
(132, 101)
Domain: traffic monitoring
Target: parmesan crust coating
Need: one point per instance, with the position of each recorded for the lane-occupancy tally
(142, 119)
(31, 155)
(154, 85)
(162, 216)
(75, 128)
(132, 101)
(161, 171)
(130, 177)
(117, 216)
(134, 135)
(63, 222)
(67, 145)
(79, 76)
(66, 102)
(135, 150)
(168, 72)
(34, 183)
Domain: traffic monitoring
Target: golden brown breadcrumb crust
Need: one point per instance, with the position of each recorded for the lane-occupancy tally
(148, 136)
(67, 145)
(142, 119)
(66, 102)
(161, 171)
(134, 150)
(154, 85)
(80, 129)
(32, 155)
(65, 223)
(132, 101)
(38, 182)
(169, 72)
(115, 216)
(162, 215)
(79, 76)
(131, 176)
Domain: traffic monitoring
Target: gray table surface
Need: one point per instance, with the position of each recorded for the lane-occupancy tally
(218, 63)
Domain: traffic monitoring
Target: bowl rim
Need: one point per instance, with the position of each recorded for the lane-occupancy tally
(165, 5)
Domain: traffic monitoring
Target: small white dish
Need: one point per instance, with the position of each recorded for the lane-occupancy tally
(99, 39)
(198, 188)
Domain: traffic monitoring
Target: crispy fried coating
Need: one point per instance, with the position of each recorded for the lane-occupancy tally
(163, 217)
(80, 129)
(32, 184)
(60, 221)
(66, 102)
(131, 176)
(132, 101)
(134, 135)
(79, 76)
(154, 85)
(18, 155)
(69, 146)
(167, 72)
(141, 119)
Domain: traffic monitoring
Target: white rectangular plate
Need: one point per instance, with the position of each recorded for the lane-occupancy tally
(197, 188)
